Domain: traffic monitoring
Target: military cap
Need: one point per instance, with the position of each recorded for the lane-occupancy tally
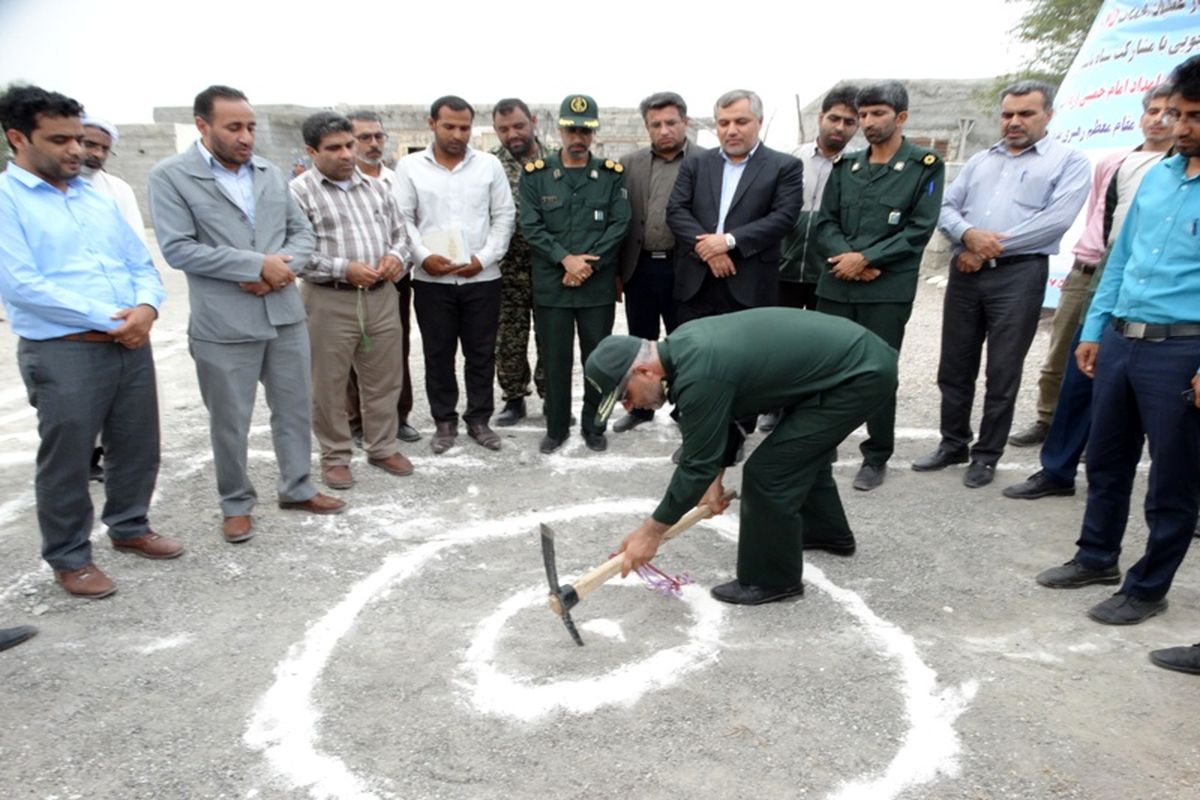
(607, 369)
(578, 111)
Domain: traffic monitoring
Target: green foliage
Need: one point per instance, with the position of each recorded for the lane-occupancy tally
(1056, 30)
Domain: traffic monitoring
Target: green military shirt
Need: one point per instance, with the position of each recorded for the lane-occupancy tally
(887, 212)
(516, 260)
(574, 211)
(722, 368)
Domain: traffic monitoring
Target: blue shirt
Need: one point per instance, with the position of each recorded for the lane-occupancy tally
(730, 178)
(1153, 271)
(68, 261)
(238, 185)
(1033, 196)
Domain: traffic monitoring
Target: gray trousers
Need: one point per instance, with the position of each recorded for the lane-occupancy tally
(81, 390)
(229, 374)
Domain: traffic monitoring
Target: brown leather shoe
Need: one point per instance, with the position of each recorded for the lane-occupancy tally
(150, 545)
(87, 582)
(337, 476)
(238, 528)
(396, 464)
(317, 504)
(480, 432)
(443, 437)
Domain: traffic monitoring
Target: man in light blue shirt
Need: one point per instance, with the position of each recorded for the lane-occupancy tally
(1141, 345)
(82, 295)
(1005, 215)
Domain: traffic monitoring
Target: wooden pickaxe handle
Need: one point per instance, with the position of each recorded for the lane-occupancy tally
(591, 581)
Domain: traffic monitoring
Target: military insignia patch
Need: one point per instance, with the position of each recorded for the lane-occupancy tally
(929, 160)
(593, 174)
(899, 166)
(619, 168)
(530, 167)
(856, 167)
(539, 163)
(579, 104)
(609, 163)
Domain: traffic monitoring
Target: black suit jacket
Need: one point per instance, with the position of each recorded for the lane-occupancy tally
(763, 211)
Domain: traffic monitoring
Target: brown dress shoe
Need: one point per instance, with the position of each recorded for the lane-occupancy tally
(87, 581)
(480, 432)
(238, 528)
(150, 545)
(337, 476)
(317, 504)
(443, 437)
(396, 464)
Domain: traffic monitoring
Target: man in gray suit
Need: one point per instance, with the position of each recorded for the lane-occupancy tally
(647, 257)
(226, 218)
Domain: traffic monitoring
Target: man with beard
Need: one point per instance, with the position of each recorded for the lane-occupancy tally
(226, 218)
(574, 215)
(81, 295)
(352, 318)
(369, 141)
(1005, 214)
(516, 127)
(828, 375)
(1141, 346)
(647, 258)
(460, 216)
(99, 138)
(879, 211)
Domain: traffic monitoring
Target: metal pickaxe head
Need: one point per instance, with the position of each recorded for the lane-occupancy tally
(562, 598)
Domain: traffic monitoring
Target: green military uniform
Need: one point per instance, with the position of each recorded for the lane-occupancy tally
(887, 212)
(827, 374)
(572, 212)
(516, 295)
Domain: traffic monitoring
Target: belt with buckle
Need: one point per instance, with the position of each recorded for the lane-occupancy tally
(89, 336)
(1143, 330)
(1001, 261)
(1085, 268)
(350, 287)
(658, 255)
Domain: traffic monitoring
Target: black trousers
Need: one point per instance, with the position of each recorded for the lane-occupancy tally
(448, 314)
(714, 299)
(793, 294)
(649, 297)
(998, 307)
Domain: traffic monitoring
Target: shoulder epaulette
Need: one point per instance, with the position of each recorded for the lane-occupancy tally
(930, 159)
(534, 166)
(614, 166)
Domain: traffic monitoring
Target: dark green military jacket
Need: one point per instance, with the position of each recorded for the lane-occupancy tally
(736, 365)
(887, 212)
(573, 211)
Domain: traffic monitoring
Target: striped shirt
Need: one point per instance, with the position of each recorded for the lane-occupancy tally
(360, 222)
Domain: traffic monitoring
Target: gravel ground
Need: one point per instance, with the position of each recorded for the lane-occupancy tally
(403, 650)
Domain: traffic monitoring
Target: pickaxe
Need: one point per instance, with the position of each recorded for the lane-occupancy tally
(565, 597)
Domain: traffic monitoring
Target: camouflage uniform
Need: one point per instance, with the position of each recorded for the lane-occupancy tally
(516, 296)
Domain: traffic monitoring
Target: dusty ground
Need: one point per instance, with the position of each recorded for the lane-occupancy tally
(402, 649)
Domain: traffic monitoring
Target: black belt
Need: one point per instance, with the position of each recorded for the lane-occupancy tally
(992, 263)
(1142, 330)
(658, 255)
(343, 285)
(1086, 269)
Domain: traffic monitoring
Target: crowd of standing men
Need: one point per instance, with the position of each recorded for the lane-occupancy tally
(306, 287)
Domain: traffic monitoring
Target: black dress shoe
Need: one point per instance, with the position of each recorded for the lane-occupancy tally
(514, 412)
(1038, 485)
(837, 547)
(550, 444)
(1072, 575)
(11, 637)
(405, 433)
(979, 474)
(1121, 609)
(595, 441)
(940, 459)
(870, 476)
(742, 595)
(632, 420)
(1180, 659)
(1034, 434)
(443, 437)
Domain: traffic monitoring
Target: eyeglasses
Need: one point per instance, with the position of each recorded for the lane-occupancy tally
(366, 137)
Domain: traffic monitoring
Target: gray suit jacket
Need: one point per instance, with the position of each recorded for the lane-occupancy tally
(637, 183)
(203, 232)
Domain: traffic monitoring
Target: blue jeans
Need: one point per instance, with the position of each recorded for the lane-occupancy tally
(1071, 423)
(1137, 395)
